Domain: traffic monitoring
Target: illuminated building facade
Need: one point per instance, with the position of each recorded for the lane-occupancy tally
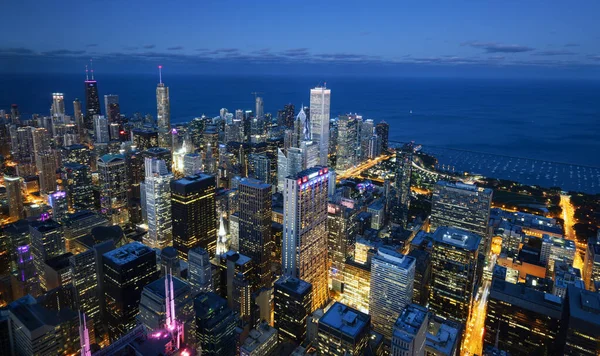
(582, 322)
(320, 101)
(341, 231)
(403, 181)
(157, 187)
(47, 241)
(58, 105)
(523, 321)
(194, 214)
(111, 108)
(293, 305)
(241, 283)
(464, 206)
(261, 341)
(92, 102)
(58, 201)
(357, 285)
(556, 249)
(255, 226)
(112, 174)
(78, 184)
(382, 129)
(343, 331)
(392, 278)
(24, 278)
(591, 265)
(14, 197)
(410, 331)
(163, 114)
(199, 271)
(46, 167)
(126, 271)
(304, 248)
(144, 139)
(215, 325)
(453, 272)
(346, 142)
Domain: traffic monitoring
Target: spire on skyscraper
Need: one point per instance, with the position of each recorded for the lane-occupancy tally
(221, 238)
(84, 336)
(92, 68)
(160, 74)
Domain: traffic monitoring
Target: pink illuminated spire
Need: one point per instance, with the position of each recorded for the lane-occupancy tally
(172, 303)
(84, 336)
(92, 68)
(86, 73)
(160, 74)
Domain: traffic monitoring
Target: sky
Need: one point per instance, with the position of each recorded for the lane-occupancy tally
(446, 37)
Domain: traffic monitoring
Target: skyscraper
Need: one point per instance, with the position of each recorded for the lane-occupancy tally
(255, 226)
(101, 133)
(582, 313)
(92, 101)
(58, 105)
(453, 272)
(392, 278)
(382, 129)
(14, 197)
(410, 331)
(157, 204)
(293, 305)
(260, 107)
(46, 167)
(58, 201)
(288, 115)
(304, 247)
(199, 271)
(126, 271)
(77, 180)
(163, 114)
(194, 214)
(111, 108)
(346, 142)
(461, 205)
(78, 118)
(403, 181)
(112, 173)
(343, 331)
(320, 100)
(47, 241)
(215, 325)
(192, 164)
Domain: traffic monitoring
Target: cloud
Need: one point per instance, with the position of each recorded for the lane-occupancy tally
(131, 48)
(62, 52)
(223, 51)
(17, 51)
(176, 48)
(150, 46)
(201, 49)
(493, 47)
(594, 57)
(295, 52)
(572, 45)
(92, 45)
(554, 53)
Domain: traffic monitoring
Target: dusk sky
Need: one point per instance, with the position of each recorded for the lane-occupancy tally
(554, 38)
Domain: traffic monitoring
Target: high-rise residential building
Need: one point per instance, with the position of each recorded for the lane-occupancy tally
(422, 275)
(460, 205)
(192, 164)
(241, 283)
(357, 284)
(260, 167)
(343, 331)
(382, 129)
(58, 105)
(24, 279)
(443, 337)
(46, 167)
(341, 231)
(453, 272)
(77, 181)
(591, 265)
(92, 101)
(76, 153)
(101, 133)
(111, 108)
(346, 142)
(14, 197)
(292, 306)
(163, 114)
(320, 101)
(403, 183)
(79, 224)
(199, 271)
(157, 187)
(194, 214)
(556, 249)
(255, 226)
(304, 247)
(410, 331)
(47, 241)
(260, 107)
(523, 321)
(112, 174)
(582, 322)
(78, 119)
(288, 115)
(153, 305)
(144, 139)
(127, 270)
(215, 325)
(392, 277)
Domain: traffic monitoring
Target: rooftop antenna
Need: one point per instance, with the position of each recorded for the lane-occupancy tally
(86, 73)
(92, 68)
(160, 74)
(255, 93)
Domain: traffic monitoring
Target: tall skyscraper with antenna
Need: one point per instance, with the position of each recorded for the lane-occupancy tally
(92, 100)
(320, 101)
(163, 113)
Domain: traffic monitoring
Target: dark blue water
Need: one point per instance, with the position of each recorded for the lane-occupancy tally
(540, 119)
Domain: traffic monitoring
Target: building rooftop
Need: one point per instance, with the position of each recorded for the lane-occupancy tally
(128, 253)
(207, 303)
(59, 262)
(259, 336)
(293, 284)
(34, 315)
(410, 321)
(108, 158)
(191, 183)
(345, 320)
(377, 205)
(527, 298)
(457, 237)
(156, 151)
(310, 173)
(558, 242)
(254, 183)
(584, 305)
(45, 225)
(158, 286)
(443, 336)
(466, 187)
(403, 261)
